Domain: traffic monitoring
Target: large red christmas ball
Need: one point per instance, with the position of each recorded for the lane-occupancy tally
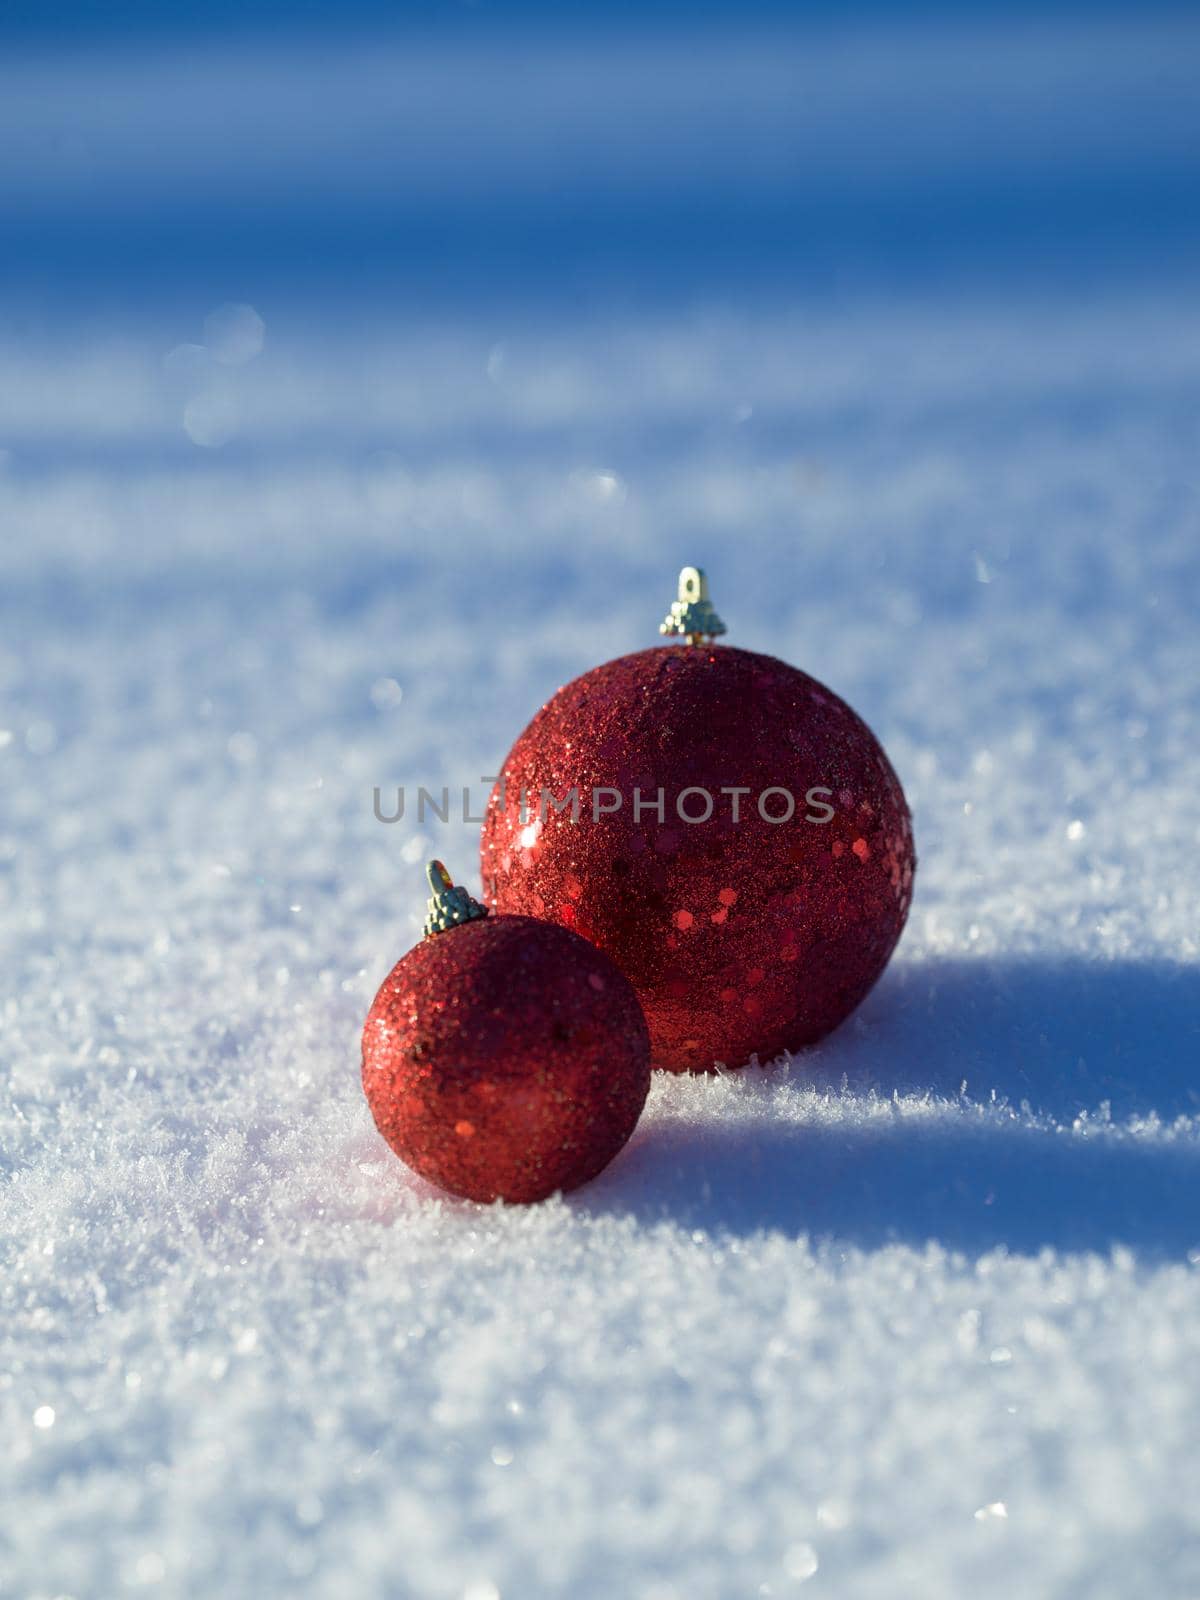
(505, 1059)
(748, 923)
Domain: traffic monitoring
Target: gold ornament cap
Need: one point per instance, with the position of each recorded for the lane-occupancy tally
(448, 907)
(691, 616)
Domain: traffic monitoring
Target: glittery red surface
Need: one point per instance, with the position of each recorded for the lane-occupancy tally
(505, 1059)
(739, 938)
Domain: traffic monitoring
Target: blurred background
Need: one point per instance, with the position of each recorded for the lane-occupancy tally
(586, 159)
(239, 237)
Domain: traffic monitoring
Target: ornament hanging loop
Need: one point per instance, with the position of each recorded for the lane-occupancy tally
(692, 616)
(448, 906)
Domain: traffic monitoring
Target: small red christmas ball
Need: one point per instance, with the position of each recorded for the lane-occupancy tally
(743, 849)
(504, 1058)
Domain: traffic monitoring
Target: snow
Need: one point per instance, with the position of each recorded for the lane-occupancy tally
(915, 1313)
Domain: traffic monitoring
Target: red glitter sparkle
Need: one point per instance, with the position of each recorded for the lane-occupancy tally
(506, 1059)
(805, 914)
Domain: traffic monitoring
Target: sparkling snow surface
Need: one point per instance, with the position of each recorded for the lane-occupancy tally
(915, 1314)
